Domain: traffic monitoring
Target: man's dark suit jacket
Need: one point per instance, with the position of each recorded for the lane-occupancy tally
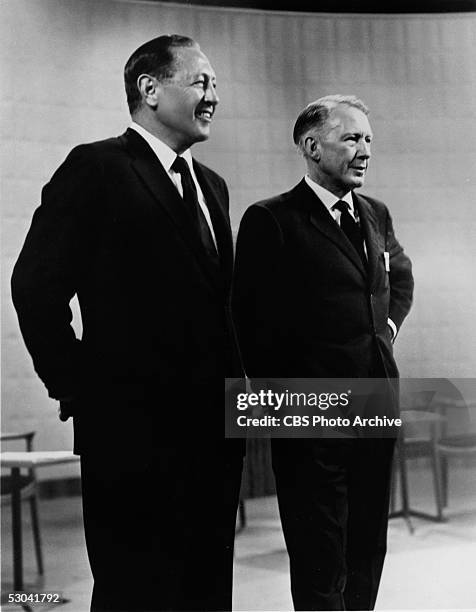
(145, 382)
(156, 319)
(306, 306)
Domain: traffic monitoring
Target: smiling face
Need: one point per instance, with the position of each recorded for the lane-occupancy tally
(186, 102)
(339, 153)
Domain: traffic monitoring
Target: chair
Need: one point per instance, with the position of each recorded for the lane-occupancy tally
(437, 425)
(28, 490)
(422, 425)
(457, 438)
(419, 436)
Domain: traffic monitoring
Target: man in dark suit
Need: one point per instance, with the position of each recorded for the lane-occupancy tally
(140, 232)
(321, 288)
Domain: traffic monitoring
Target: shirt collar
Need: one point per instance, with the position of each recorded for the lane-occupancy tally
(328, 198)
(165, 154)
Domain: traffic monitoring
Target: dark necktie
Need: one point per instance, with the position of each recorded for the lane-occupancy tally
(190, 198)
(350, 228)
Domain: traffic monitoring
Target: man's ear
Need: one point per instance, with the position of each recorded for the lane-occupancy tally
(149, 88)
(312, 147)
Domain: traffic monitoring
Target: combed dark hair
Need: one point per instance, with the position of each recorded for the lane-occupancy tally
(316, 113)
(155, 57)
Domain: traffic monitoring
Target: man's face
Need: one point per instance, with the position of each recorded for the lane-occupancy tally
(343, 150)
(187, 101)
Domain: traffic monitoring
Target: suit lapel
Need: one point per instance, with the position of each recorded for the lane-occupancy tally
(321, 219)
(157, 181)
(221, 226)
(369, 225)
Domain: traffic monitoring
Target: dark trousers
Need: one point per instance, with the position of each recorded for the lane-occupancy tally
(160, 528)
(333, 497)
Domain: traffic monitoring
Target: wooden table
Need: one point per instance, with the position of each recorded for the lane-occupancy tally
(17, 460)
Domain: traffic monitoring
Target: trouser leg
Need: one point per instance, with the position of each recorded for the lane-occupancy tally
(312, 496)
(157, 533)
(368, 504)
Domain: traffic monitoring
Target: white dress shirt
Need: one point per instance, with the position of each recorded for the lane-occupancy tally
(329, 200)
(166, 157)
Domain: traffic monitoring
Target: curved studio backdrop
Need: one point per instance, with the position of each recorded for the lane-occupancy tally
(62, 85)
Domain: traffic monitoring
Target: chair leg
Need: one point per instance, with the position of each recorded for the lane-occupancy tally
(36, 534)
(242, 513)
(437, 482)
(17, 532)
(444, 479)
(404, 485)
(393, 486)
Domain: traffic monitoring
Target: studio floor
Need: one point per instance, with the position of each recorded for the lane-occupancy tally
(431, 569)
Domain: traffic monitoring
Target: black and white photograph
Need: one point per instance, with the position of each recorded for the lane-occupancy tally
(238, 249)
